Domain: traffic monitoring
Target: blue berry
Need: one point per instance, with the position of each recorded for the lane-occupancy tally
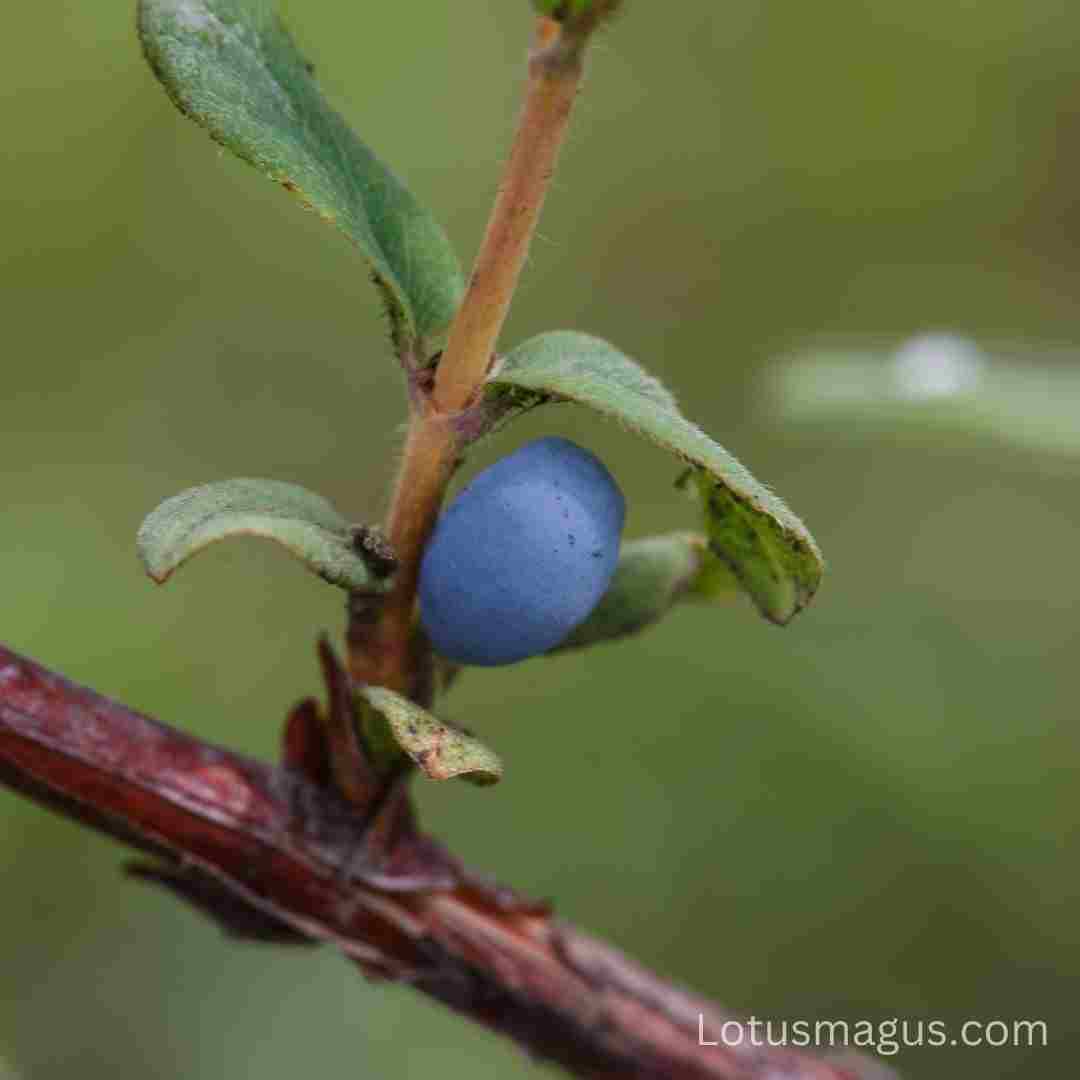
(522, 555)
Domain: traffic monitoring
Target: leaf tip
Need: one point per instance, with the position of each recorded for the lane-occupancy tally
(439, 750)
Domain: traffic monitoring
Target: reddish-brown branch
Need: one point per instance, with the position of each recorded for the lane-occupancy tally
(274, 856)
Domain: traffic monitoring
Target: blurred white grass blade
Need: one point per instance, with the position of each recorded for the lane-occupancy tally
(937, 366)
(941, 386)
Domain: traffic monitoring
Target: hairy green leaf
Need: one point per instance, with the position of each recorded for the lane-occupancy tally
(653, 575)
(440, 751)
(767, 547)
(304, 523)
(231, 66)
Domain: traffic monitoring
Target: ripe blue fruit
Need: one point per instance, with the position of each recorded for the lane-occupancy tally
(522, 555)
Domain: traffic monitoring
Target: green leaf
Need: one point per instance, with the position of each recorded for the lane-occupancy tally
(304, 523)
(767, 547)
(572, 11)
(231, 66)
(938, 389)
(653, 575)
(440, 751)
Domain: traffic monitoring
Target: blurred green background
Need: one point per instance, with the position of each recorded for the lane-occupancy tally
(872, 813)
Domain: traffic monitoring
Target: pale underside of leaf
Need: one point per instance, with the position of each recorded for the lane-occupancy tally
(653, 575)
(231, 66)
(439, 750)
(303, 523)
(768, 549)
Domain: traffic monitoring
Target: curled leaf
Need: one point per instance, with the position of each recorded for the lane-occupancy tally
(654, 574)
(440, 751)
(303, 523)
(231, 66)
(768, 549)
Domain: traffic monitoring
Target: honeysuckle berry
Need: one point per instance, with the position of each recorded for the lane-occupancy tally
(522, 555)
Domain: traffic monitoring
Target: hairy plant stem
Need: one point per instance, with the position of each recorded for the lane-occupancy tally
(555, 68)
(385, 654)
